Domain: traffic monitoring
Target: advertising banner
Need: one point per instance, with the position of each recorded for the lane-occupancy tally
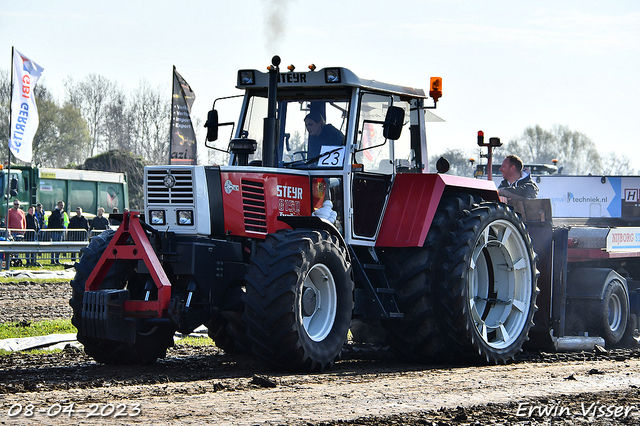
(183, 137)
(24, 114)
(591, 196)
(623, 239)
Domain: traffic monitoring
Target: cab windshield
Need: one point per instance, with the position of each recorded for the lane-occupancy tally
(311, 131)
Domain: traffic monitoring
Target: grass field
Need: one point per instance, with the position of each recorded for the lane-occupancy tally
(15, 330)
(12, 330)
(34, 280)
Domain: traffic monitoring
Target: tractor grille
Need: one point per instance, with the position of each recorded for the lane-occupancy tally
(160, 191)
(253, 206)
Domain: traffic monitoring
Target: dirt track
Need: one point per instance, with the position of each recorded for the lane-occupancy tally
(205, 386)
(30, 301)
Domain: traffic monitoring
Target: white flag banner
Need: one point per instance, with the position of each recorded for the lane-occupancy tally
(24, 114)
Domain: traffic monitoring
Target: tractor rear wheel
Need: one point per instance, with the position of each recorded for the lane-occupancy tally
(490, 286)
(299, 299)
(415, 274)
(151, 343)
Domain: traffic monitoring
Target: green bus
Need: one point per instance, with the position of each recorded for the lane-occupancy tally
(77, 188)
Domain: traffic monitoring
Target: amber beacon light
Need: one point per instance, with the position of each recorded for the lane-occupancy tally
(436, 88)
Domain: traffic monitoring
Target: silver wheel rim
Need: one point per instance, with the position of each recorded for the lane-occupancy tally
(319, 315)
(614, 312)
(500, 284)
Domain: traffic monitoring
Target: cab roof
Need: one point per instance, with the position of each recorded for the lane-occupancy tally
(326, 77)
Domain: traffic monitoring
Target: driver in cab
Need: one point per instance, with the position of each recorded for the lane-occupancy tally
(321, 134)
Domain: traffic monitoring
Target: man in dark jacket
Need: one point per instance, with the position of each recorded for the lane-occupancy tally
(34, 226)
(56, 221)
(517, 184)
(100, 223)
(80, 226)
(39, 213)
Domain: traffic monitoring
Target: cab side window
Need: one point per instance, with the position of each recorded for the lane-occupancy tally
(374, 152)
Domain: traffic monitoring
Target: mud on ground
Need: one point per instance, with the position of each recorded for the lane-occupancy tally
(34, 301)
(368, 386)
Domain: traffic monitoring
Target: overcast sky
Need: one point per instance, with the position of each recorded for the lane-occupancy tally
(505, 65)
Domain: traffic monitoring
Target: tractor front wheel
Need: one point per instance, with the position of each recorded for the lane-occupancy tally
(299, 299)
(150, 344)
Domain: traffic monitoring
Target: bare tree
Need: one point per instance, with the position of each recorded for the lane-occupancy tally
(92, 97)
(46, 151)
(118, 121)
(63, 137)
(5, 99)
(575, 152)
(151, 114)
(536, 146)
(614, 164)
(74, 139)
(5, 86)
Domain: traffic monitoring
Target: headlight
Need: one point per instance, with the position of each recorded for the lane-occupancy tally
(332, 75)
(246, 77)
(157, 217)
(185, 217)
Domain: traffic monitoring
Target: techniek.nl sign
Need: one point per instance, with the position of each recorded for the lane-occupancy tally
(590, 196)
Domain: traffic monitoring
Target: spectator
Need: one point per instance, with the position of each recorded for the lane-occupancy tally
(80, 225)
(16, 217)
(79, 221)
(16, 221)
(100, 223)
(40, 216)
(113, 221)
(56, 221)
(34, 226)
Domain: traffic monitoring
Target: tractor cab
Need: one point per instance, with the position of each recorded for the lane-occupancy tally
(350, 135)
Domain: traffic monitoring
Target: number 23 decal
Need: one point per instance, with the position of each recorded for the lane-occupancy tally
(331, 156)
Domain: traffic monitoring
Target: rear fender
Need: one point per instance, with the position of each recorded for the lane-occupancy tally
(413, 203)
(591, 283)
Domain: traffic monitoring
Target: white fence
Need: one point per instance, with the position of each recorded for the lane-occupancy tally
(26, 247)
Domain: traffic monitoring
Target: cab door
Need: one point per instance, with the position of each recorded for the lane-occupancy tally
(370, 186)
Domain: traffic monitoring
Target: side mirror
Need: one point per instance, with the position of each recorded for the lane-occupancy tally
(212, 125)
(392, 127)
